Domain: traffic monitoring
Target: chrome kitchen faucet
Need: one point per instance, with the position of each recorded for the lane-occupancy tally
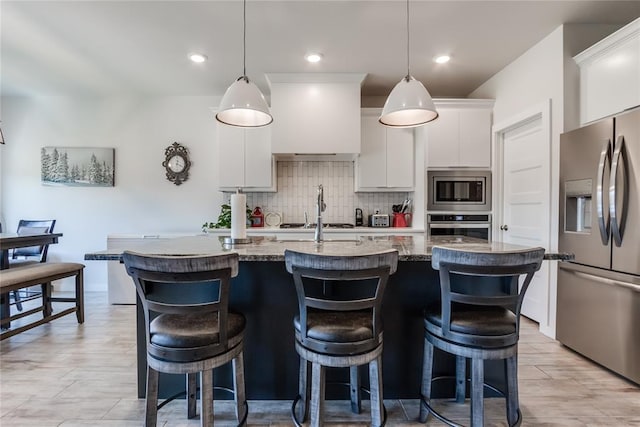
(321, 207)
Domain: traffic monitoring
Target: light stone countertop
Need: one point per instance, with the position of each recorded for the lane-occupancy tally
(275, 231)
(268, 248)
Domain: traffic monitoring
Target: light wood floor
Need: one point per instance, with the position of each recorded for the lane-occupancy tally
(65, 374)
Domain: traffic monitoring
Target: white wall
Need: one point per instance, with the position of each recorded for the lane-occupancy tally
(143, 200)
(545, 72)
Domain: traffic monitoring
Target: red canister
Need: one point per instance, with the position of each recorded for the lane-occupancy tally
(257, 217)
(399, 220)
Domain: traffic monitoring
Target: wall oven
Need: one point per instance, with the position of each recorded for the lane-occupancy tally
(459, 190)
(470, 225)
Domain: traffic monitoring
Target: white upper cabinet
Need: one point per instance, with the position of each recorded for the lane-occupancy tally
(386, 161)
(610, 74)
(461, 135)
(245, 159)
(315, 113)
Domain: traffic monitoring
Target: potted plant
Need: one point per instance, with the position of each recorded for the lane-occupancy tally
(224, 219)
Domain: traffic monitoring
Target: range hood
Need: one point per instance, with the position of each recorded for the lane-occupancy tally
(316, 116)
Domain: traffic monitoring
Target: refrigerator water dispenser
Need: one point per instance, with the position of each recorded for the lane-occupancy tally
(578, 205)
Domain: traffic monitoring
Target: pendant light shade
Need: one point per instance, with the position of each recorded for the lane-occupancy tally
(409, 104)
(243, 104)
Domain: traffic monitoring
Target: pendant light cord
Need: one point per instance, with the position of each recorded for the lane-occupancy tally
(244, 39)
(408, 72)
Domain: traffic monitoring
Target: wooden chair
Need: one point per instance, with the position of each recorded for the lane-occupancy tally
(31, 255)
(339, 324)
(477, 320)
(193, 335)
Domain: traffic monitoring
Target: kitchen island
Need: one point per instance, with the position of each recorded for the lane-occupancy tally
(265, 294)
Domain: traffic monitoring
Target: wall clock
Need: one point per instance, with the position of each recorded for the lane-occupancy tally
(176, 163)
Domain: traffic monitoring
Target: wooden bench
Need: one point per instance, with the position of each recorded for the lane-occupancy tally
(13, 279)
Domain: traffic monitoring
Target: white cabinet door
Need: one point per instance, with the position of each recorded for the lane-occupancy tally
(461, 136)
(257, 158)
(610, 74)
(400, 158)
(230, 157)
(386, 161)
(442, 140)
(245, 159)
(372, 164)
(475, 138)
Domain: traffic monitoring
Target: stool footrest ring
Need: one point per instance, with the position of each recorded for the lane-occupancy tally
(447, 421)
(298, 398)
(242, 422)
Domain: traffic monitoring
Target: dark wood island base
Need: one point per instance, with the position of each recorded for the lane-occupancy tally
(264, 292)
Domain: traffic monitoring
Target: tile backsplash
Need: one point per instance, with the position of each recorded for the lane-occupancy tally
(297, 192)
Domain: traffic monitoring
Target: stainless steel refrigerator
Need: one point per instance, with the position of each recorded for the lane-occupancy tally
(598, 310)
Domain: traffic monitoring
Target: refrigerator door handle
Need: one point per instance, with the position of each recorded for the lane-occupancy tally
(604, 280)
(603, 224)
(617, 217)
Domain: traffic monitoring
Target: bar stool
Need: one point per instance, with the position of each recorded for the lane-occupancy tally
(193, 335)
(476, 320)
(339, 324)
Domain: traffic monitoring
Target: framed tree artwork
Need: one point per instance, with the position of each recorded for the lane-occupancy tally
(77, 166)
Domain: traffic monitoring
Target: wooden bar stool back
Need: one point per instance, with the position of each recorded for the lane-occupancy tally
(477, 320)
(193, 334)
(339, 324)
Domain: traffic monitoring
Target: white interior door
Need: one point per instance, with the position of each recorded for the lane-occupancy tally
(524, 214)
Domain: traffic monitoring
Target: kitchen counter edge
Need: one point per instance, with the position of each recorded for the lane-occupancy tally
(268, 248)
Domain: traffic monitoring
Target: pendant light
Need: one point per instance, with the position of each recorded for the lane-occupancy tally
(243, 104)
(409, 103)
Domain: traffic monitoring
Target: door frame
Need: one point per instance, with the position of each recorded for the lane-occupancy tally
(542, 112)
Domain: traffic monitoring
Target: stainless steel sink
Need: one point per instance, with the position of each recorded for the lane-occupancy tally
(356, 241)
(313, 225)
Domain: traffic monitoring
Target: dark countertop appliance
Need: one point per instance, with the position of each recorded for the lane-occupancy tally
(458, 190)
(459, 224)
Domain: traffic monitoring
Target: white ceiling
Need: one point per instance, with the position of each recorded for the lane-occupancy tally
(140, 47)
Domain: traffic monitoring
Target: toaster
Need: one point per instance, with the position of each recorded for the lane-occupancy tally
(379, 220)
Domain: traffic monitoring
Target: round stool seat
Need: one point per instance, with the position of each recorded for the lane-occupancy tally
(336, 326)
(472, 320)
(193, 330)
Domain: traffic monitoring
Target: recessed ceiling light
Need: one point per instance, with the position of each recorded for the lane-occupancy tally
(197, 57)
(442, 59)
(313, 57)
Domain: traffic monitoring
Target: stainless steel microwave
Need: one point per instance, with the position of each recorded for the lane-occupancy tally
(459, 190)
